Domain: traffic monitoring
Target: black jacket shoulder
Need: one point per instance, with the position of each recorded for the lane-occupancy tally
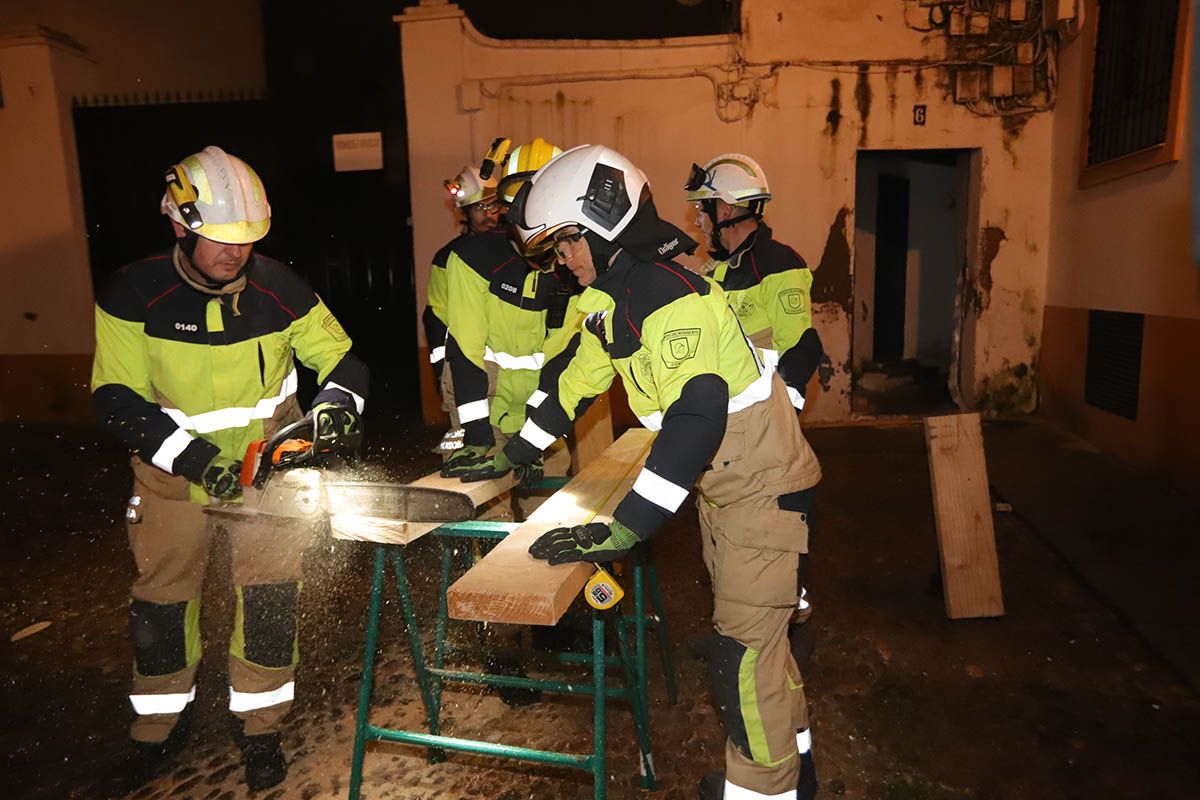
(440, 257)
(276, 282)
(485, 252)
(653, 285)
(128, 292)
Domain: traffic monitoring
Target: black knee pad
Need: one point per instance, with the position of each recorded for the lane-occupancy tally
(269, 623)
(159, 640)
(724, 667)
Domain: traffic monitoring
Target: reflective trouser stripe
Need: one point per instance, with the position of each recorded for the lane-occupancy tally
(162, 703)
(734, 792)
(804, 741)
(236, 416)
(660, 491)
(252, 701)
(535, 435)
(437, 354)
(360, 402)
(164, 457)
(476, 409)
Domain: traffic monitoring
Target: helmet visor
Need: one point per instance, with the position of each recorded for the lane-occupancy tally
(696, 178)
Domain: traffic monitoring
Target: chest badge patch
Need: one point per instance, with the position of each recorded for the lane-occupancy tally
(679, 345)
(792, 301)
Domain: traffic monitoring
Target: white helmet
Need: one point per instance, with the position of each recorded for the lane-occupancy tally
(217, 196)
(735, 178)
(467, 188)
(591, 186)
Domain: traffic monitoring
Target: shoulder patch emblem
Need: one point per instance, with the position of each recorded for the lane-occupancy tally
(335, 329)
(679, 345)
(793, 301)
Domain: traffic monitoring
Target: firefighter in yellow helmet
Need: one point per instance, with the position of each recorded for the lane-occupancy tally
(195, 359)
(498, 305)
(476, 198)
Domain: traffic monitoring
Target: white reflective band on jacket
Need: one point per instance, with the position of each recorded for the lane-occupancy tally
(756, 392)
(236, 417)
(734, 792)
(509, 361)
(660, 491)
(162, 703)
(476, 409)
(771, 357)
(536, 435)
(252, 701)
(360, 402)
(437, 354)
(536, 398)
(164, 457)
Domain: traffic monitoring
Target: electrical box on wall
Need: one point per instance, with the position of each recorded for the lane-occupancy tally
(958, 23)
(1002, 81)
(1023, 80)
(1025, 53)
(1017, 10)
(978, 24)
(968, 85)
(1055, 12)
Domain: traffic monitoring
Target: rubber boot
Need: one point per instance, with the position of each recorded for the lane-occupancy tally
(265, 764)
(141, 762)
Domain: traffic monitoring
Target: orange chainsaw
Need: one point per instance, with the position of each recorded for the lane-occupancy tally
(306, 469)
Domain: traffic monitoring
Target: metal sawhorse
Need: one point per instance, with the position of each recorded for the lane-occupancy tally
(430, 678)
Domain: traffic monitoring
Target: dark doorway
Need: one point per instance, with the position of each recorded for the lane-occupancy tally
(911, 217)
(891, 262)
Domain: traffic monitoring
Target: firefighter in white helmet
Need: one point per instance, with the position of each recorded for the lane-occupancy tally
(769, 287)
(195, 359)
(480, 214)
(725, 426)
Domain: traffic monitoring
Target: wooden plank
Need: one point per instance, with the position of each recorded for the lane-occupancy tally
(592, 434)
(358, 528)
(963, 510)
(509, 585)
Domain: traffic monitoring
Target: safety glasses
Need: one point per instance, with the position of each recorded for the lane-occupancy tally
(562, 239)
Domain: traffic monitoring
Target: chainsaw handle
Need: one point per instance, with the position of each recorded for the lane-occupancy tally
(292, 431)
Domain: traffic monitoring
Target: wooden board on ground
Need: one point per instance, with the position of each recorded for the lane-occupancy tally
(963, 510)
(509, 585)
(386, 531)
(592, 434)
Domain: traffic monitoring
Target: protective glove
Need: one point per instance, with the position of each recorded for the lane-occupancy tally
(464, 458)
(221, 477)
(336, 420)
(499, 465)
(592, 542)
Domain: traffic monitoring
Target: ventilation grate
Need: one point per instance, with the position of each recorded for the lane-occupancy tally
(1114, 361)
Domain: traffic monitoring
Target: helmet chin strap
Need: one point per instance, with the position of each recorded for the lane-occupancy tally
(714, 235)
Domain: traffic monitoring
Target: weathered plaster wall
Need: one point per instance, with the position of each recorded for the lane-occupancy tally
(1124, 245)
(774, 93)
(50, 52)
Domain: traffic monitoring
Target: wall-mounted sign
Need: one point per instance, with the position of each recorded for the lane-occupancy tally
(919, 114)
(355, 152)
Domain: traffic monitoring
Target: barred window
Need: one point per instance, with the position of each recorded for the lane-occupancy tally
(1134, 103)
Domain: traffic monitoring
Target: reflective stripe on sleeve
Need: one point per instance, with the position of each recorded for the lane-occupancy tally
(252, 701)
(164, 457)
(659, 490)
(653, 422)
(359, 401)
(161, 703)
(796, 399)
(509, 361)
(437, 354)
(476, 409)
(536, 435)
(536, 398)
(759, 389)
(236, 417)
(804, 741)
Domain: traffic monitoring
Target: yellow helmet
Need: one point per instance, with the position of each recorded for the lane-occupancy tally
(523, 161)
(217, 196)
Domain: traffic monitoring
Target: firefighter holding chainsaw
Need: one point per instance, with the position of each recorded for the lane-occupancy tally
(725, 425)
(195, 360)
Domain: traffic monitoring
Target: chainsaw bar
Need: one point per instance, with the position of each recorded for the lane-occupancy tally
(398, 502)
